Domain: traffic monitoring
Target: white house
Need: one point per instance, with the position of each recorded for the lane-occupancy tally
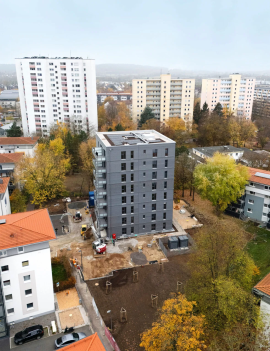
(209, 151)
(27, 145)
(4, 197)
(25, 265)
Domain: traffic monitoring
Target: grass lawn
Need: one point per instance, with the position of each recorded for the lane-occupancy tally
(259, 248)
(59, 273)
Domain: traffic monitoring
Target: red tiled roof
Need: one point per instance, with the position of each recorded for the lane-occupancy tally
(4, 185)
(11, 158)
(257, 179)
(18, 140)
(91, 343)
(26, 228)
(264, 285)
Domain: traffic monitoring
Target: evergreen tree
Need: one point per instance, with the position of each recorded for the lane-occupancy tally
(14, 131)
(205, 108)
(197, 114)
(119, 127)
(146, 115)
(218, 109)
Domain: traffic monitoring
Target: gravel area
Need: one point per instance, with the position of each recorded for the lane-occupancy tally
(138, 258)
(71, 318)
(77, 205)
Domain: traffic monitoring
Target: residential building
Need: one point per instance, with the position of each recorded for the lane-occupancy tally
(56, 90)
(26, 287)
(235, 93)
(27, 145)
(4, 197)
(90, 343)
(8, 163)
(202, 153)
(261, 104)
(134, 180)
(9, 99)
(167, 97)
(116, 96)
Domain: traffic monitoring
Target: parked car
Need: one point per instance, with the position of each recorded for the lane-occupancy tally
(28, 334)
(68, 339)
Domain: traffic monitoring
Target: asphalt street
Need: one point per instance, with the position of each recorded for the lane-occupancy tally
(46, 344)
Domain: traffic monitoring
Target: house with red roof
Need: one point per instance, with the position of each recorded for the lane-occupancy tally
(4, 197)
(262, 290)
(26, 287)
(90, 343)
(27, 145)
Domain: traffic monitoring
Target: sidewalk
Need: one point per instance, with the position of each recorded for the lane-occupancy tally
(95, 324)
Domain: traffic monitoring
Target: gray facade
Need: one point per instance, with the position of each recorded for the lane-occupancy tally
(134, 181)
(257, 202)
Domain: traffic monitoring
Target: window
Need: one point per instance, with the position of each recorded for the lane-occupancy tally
(123, 166)
(154, 164)
(249, 210)
(132, 166)
(26, 278)
(153, 227)
(28, 292)
(154, 207)
(154, 175)
(124, 189)
(166, 174)
(265, 205)
(154, 152)
(154, 196)
(30, 305)
(153, 218)
(164, 215)
(124, 230)
(143, 216)
(144, 163)
(143, 226)
(144, 174)
(132, 188)
(132, 230)
(6, 282)
(154, 186)
(123, 177)
(131, 154)
(166, 163)
(4, 268)
(132, 209)
(123, 155)
(132, 199)
(251, 201)
(143, 207)
(124, 210)
(164, 225)
(8, 297)
(144, 151)
(124, 200)
(164, 206)
(252, 192)
(131, 177)
(10, 310)
(266, 187)
(264, 214)
(20, 249)
(144, 185)
(166, 152)
(165, 195)
(124, 220)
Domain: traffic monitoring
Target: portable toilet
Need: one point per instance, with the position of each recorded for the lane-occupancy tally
(91, 199)
(183, 241)
(172, 242)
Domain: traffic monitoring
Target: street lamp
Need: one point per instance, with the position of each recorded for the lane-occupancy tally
(111, 317)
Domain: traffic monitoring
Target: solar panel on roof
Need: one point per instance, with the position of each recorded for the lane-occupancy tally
(262, 175)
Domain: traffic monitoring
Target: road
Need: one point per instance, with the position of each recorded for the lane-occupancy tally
(46, 344)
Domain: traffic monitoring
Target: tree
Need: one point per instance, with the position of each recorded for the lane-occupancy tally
(152, 124)
(247, 130)
(87, 159)
(176, 124)
(220, 180)
(44, 174)
(181, 172)
(146, 115)
(14, 131)
(197, 114)
(177, 328)
(205, 109)
(101, 116)
(218, 109)
(18, 201)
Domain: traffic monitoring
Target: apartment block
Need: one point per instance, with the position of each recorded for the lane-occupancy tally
(235, 93)
(56, 90)
(134, 182)
(167, 97)
(115, 96)
(26, 287)
(261, 104)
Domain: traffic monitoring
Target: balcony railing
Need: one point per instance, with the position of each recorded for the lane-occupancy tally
(101, 213)
(99, 183)
(98, 153)
(102, 223)
(100, 203)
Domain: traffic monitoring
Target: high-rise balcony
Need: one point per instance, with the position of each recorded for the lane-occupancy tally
(101, 213)
(98, 154)
(100, 193)
(99, 183)
(100, 203)
(102, 223)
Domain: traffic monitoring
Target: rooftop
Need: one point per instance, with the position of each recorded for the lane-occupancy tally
(135, 137)
(51, 58)
(259, 176)
(9, 95)
(19, 140)
(90, 343)
(11, 158)
(4, 184)
(25, 228)
(210, 150)
(264, 285)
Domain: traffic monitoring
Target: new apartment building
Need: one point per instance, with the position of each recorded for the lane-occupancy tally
(235, 93)
(167, 97)
(26, 287)
(56, 90)
(261, 104)
(134, 180)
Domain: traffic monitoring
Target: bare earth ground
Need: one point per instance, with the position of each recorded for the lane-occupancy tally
(183, 219)
(67, 299)
(76, 183)
(71, 318)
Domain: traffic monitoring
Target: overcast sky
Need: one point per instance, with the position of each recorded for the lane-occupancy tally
(231, 35)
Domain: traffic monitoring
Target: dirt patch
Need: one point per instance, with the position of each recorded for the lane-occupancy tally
(77, 184)
(56, 207)
(138, 258)
(71, 318)
(136, 298)
(67, 299)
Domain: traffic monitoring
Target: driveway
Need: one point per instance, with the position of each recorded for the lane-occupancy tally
(46, 344)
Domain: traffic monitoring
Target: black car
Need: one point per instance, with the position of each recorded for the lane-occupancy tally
(28, 334)
(68, 339)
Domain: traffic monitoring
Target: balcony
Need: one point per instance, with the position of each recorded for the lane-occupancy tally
(99, 183)
(100, 203)
(98, 153)
(101, 213)
(102, 223)
(99, 194)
